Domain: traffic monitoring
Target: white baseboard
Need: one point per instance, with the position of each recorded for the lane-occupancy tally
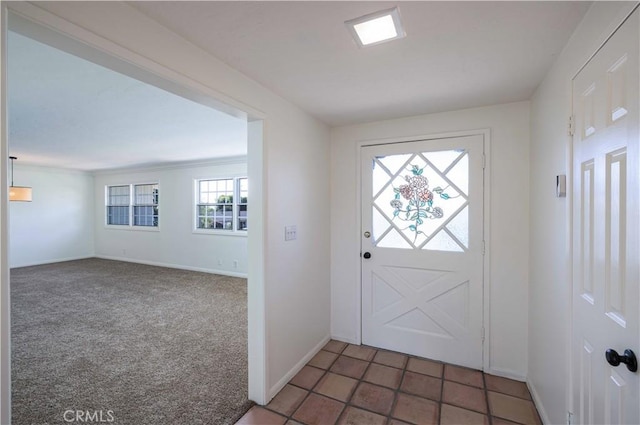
(348, 340)
(174, 266)
(505, 373)
(295, 369)
(57, 260)
(536, 400)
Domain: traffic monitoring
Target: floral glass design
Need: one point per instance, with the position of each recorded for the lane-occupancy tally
(420, 201)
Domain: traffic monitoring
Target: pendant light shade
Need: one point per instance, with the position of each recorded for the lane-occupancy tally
(18, 193)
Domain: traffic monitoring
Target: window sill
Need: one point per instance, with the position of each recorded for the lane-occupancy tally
(132, 228)
(214, 232)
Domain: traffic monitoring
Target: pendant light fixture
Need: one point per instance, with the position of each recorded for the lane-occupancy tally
(18, 193)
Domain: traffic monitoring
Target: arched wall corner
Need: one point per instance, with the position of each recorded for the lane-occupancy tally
(5, 303)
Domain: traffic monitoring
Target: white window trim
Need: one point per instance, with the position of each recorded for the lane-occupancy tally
(218, 232)
(130, 226)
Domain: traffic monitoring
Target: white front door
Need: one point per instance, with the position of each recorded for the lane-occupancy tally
(606, 231)
(422, 248)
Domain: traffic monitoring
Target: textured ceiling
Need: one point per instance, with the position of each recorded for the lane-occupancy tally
(456, 54)
(67, 112)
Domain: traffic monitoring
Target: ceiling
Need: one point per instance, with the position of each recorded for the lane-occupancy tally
(70, 113)
(456, 54)
(67, 112)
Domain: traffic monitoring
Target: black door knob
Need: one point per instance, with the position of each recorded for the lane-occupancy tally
(629, 358)
(367, 255)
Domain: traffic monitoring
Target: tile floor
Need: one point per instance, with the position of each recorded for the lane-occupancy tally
(348, 384)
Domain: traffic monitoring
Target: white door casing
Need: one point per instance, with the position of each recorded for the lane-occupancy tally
(606, 231)
(422, 229)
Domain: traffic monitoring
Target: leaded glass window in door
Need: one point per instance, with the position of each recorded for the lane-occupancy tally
(421, 201)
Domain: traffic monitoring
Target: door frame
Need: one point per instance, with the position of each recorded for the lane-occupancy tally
(141, 67)
(615, 26)
(485, 133)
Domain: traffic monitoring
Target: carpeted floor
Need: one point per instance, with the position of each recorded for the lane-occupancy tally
(141, 344)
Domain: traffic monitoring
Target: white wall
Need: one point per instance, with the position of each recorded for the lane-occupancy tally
(509, 239)
(296, 176)
(550, 262)
(58, 224)
(174, 243)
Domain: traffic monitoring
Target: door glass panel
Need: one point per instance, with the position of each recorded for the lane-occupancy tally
(459, 227)
(393, 163)
(459, 174)
(380, 224)
(420, 195)
(443, 242)
(393, 239)
(441, 159)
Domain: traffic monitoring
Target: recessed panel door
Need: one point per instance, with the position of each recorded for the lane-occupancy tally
(422, 248)
(606, 232)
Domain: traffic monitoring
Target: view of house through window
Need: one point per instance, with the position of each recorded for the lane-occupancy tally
(118, 205)
(141, 209)
(145, 207)
(221, 204)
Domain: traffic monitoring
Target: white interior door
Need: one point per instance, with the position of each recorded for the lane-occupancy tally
(606, 232)
(422, 248)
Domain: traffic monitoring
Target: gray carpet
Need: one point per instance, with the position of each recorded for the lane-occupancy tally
(150, 344)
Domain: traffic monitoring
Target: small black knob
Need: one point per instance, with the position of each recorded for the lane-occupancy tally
(629, 358)
(367, 255)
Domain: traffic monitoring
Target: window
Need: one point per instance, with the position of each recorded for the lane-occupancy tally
(145, 206)
(140, 210)
(221, 204)
(118, 205)
(243, 194)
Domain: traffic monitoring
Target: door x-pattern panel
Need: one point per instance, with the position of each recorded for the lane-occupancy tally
(394, 296)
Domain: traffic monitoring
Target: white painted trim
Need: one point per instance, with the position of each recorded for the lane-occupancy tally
(257, 331)
(345, 339)
(505, 373)
(486, 138)
(296, 368)
(5, 302)
(486, 344)
(53, 261)
(173, 266)
(357, 234)
(538, 403)
(173, 166)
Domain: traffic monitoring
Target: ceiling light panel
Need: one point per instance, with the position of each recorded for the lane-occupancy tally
(376, 28)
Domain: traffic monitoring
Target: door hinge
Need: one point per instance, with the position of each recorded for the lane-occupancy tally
(482, 335)
(484, 245)
(571, 126)
(569, 418)
(484, 161)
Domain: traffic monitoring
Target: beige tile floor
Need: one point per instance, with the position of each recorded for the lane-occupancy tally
(348, 384)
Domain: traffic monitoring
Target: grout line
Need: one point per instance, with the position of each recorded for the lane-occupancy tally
(486, 398)
(396, 392)
(441, 397)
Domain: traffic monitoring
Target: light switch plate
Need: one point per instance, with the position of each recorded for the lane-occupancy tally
(290, 233)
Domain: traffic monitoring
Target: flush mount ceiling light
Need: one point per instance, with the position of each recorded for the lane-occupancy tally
(376, 28)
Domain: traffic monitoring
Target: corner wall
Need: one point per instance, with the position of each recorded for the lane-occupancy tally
(550, 255)
(58, 224)
(509, 239)
(174, 243)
